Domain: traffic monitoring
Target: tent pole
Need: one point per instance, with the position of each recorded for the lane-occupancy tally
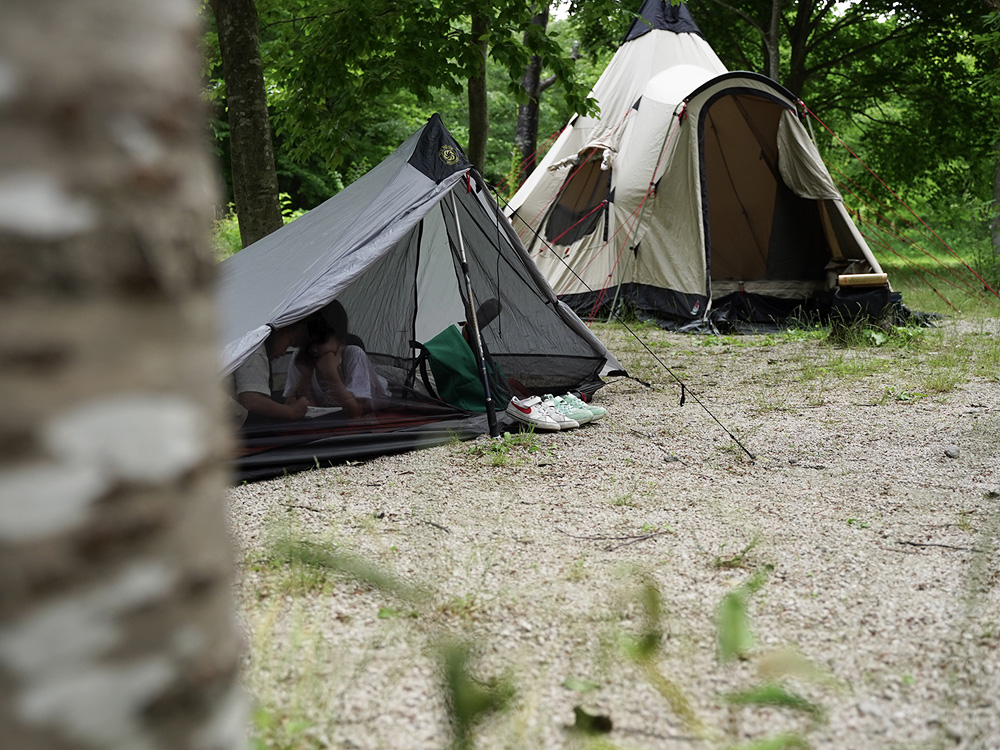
(477, 342)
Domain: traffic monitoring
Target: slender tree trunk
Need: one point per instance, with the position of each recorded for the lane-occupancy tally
(773, 42)
(479, 121)
(526, 134)
(116, 626)
(255, 180)
(798, 42)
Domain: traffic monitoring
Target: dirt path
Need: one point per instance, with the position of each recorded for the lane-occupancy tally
(869, 521)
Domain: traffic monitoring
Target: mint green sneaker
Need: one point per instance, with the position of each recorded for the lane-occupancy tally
(597, 412)
(561, 405)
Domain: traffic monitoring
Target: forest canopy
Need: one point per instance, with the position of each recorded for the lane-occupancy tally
(910, 86)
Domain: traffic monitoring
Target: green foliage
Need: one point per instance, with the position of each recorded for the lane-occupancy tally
(272, 731)
(226, 231)
(644, 649)
(735, 638)
(864, 334)
(226, 235)
(469, 700)
(776, 696)
(739, 559)
(310, 566)
(779, 742)
(348, 81)
(910, 87)
(390, 68)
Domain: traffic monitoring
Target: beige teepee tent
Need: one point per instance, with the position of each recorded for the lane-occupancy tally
(696, 194)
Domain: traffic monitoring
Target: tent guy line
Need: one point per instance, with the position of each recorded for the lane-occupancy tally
(685, 389)
(904, 204)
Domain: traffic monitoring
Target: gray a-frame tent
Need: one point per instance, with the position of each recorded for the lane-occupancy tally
(389, 247)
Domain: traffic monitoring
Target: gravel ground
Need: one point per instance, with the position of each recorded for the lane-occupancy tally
(871, 513)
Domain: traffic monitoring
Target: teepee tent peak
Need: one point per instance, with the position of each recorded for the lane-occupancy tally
(663, 38)
(664, 16)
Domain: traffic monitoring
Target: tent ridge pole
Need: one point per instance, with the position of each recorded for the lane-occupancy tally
(491, 416)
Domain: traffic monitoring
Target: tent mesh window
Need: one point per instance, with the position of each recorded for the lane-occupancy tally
(527, 346)
(576, 214)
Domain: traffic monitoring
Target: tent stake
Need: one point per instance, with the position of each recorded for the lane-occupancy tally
(477, 342)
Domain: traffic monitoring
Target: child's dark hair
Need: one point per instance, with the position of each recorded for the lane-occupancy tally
(334, 318)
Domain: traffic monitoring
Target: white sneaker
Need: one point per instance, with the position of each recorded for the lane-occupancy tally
(564, 407)
(599, 412)
(531, 411)
(561, 413)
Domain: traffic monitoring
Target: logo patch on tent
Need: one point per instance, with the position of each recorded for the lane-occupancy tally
(448, 155)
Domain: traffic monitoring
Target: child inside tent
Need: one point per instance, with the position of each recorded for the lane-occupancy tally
(332, 368)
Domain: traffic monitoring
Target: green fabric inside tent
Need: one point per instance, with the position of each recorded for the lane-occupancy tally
(456, 373)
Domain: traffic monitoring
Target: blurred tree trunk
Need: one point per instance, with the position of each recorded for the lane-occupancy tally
(255, 180)
(116, 620)
(479, 120)
(995, 224)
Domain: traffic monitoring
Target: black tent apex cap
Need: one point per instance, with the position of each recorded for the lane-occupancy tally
(662, 15)
(437, 153)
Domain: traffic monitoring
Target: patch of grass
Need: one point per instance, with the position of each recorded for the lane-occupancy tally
(508, 449)
(893, 393)
(728, 446)
(226, 235)
(842, 368)
(734, 637)
(462, 607)
(577, 571)
(737, 560)
(769, 399)
(286, 572)
(625, 501)
(226, 239)
(983, 344)
(861, 334)
(964, 520)
(643, 650)
(276, 731)
(469, 700)
(946, 370)
(746, 341)
(775, 696)
(305, 567)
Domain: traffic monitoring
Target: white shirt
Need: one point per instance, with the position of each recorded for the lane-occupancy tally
(357, 372)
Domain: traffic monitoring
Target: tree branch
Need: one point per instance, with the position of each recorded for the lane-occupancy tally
(297, 19)
(543, 85)
(744, 15)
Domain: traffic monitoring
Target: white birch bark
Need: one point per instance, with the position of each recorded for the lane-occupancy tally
(116, 624)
